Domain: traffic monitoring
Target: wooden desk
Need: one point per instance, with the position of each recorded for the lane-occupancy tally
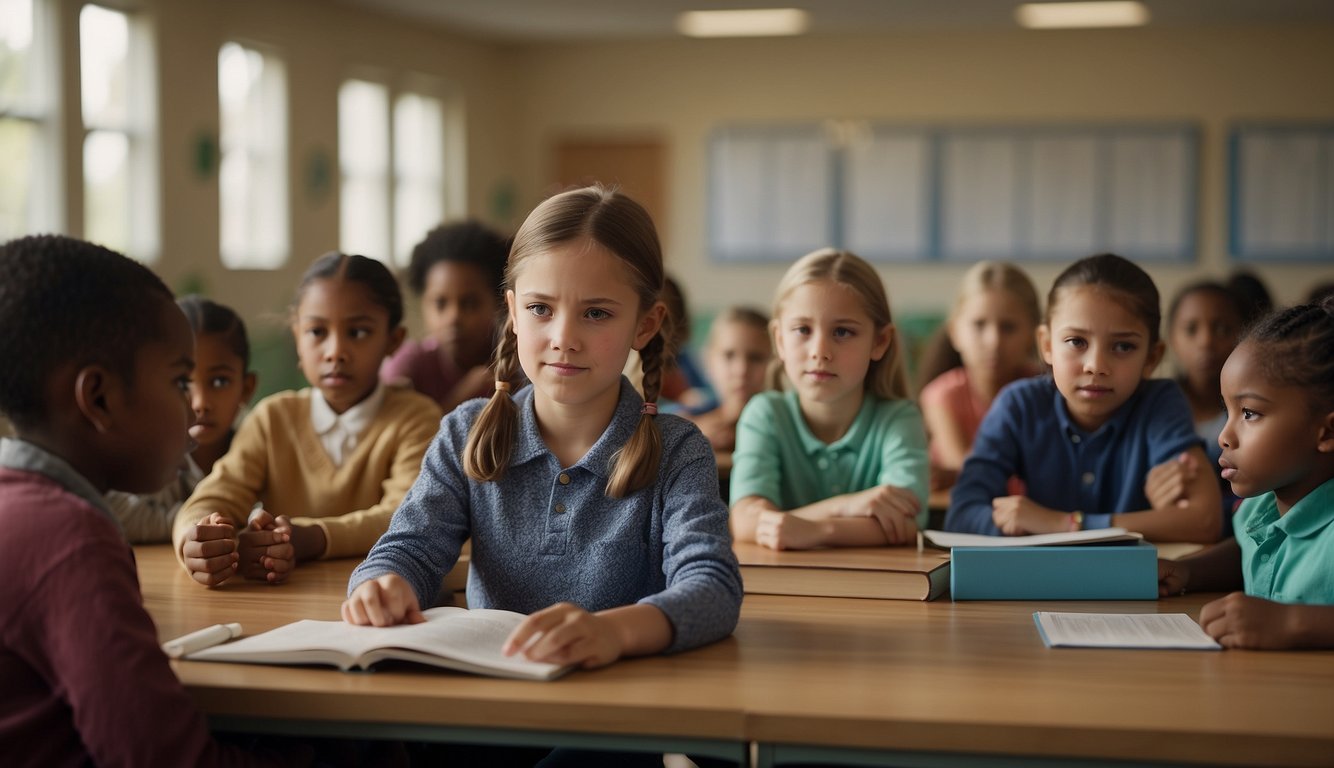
(859, 682)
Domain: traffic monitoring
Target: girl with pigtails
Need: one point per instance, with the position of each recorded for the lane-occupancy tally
(586, 509)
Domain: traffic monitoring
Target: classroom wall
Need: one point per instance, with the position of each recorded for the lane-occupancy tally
(679, 90)
(322, 44)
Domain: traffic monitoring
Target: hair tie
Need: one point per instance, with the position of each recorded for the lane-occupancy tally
(502, 386)
(649, 409)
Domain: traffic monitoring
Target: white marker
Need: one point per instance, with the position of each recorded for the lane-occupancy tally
(201, 639)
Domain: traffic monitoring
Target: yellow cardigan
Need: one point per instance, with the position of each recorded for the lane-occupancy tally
(277, 459)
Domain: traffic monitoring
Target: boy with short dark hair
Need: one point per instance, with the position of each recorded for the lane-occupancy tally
(97, 364)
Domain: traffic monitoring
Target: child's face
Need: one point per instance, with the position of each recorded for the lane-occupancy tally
(153, 437)
(342, 336)
(459, 310)
(994, 335)
(1203, 332)
(1098, 350)
(738, 356)
(827, 342)
(576, 317)
(218, 388)
(1272, 437)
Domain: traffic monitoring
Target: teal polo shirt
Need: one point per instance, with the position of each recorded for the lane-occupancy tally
(778, 458)
(1288, 559)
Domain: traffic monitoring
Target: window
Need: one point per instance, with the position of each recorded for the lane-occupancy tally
(252, 177)
(392, 169)
(29, 185)
(117, 98)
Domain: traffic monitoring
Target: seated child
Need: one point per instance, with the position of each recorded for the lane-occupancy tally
(1278, 453)
(840, 460)
(98, 403)
(1084, 439)
(220, 387)
(329, 464)
(992, 326)
(586, 509)
(456, 272)
(1203, 323)
(736, 356)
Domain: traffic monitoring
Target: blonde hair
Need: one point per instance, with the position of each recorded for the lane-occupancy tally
(885, 378)
(623, 228)
(998, 276)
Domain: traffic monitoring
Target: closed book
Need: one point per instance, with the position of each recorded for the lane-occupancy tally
(886, 573)
(1088, 572)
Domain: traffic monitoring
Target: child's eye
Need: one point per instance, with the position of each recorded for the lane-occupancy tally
(183, 384)
(1124, 346)
(1249, 415)
(359, 333)
(843, 333)
(1076, 342)
(801, 329)
(597, 314)
(315, 332)
(219, 382)
(539, 310)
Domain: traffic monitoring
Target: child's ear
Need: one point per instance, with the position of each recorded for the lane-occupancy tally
(248, 383)
(774, 338)
(649, 324)
(884, 338)
(396, 337)
(1044, 343)
(1155, 357)
(1325, 442)
(93, 396)
(509, 307)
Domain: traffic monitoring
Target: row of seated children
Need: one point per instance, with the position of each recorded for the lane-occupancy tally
(578, 468)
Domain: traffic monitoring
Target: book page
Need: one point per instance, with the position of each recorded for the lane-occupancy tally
(1122, 630)
(947, 539)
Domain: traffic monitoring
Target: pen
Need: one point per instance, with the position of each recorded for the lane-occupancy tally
(201, 639)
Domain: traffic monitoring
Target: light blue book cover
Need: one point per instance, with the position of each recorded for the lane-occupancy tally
(1087, 572)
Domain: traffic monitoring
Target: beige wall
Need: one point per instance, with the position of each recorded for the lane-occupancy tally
(322, 43)
(680, 89)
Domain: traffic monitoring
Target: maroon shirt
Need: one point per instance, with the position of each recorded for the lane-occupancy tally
(82, 675)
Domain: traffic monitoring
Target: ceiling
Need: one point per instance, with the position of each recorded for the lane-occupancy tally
(557, 20)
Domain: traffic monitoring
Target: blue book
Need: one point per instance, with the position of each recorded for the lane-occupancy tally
(1127, 572)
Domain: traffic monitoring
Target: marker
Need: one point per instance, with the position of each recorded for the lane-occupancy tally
(201, 639)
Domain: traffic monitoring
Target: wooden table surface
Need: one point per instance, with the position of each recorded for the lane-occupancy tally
(940, 677)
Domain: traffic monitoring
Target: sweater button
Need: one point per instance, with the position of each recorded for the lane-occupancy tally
(560, 508)
(564, 479)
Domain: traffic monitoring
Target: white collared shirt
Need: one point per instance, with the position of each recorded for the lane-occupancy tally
(339, 432)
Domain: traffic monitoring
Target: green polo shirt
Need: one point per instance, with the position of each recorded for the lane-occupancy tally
(1288, 559)
(778, 458)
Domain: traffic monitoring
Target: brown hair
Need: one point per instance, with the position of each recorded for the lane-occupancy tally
(623, 228)
(885, 377)
(940, 355)
(1129, 285)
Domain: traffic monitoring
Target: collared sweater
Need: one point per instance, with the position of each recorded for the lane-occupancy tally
(276, 459)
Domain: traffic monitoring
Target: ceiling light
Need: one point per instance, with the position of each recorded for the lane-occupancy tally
(1067, 15)
(760, 22)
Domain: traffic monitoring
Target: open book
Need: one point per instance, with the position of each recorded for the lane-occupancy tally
(948, 540)
(891, 573)
(1122, 630)
(454, 638)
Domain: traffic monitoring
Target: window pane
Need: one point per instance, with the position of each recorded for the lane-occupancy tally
(363, 128)
(18, 144)
(106, 189)
(104, 38)
(252, 178)
(16, 54)
(364, 217)
(419, 202)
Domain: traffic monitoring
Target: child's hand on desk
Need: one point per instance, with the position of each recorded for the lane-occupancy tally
(1242, 621)
(894, 508)
(1173, 576)
(1166, 485)
(265, 546)
(1019, 515)
(383, 601)
(566, 634)
(783, 530)
(209, 550)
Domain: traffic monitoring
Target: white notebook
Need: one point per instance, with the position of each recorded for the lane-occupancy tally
(1122, 630)
(948, 539)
